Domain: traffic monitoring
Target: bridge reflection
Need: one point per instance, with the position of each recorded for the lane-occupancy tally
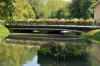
(38, 38)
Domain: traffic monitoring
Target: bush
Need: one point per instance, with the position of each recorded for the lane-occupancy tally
(74, 21)
(72, 49)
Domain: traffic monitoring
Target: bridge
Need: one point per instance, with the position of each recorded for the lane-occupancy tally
(73, 27)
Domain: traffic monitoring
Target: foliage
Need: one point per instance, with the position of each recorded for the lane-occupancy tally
(54, 22)
(3, 32)
(38, 7)
(54, 5)
(46, 8)
(66, 20)
(94, 36)
(64, 12)
(82, 8)
(28, 9)
(23, 10)
(6, 9)
(73, 49)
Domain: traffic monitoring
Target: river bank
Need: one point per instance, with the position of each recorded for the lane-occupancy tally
(93, 36)
(4, 32)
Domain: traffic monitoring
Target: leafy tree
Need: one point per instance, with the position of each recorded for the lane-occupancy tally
(23, 10)
(6, 9)
(90, 9)
(29, 13)
(46, 8)
(82, 8)
(54, 5)
(38, 7)
(64, 12)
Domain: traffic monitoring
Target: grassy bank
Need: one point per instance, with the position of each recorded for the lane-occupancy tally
(94, 36)
(3, 32)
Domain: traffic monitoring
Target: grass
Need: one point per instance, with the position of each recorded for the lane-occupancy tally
(94, 36)
(3, 32)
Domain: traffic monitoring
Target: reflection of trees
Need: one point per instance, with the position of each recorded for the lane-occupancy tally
(69, 61)
(15, 55)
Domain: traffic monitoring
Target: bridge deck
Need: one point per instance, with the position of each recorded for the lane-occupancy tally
(75, 28)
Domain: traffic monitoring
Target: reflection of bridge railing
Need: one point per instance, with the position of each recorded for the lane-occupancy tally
(35, 38)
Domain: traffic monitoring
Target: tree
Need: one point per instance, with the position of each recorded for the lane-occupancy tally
(54, 5)
(6, 9)
(46, 8)
(23, 10)
(64, 12)
(38, 7)
(90, 9)
(29, 11)
(82, 8)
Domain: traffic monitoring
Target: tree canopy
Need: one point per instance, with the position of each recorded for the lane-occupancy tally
(23, 10)
(82, 8)
(46, 8)
(6, 9)
(31, 9)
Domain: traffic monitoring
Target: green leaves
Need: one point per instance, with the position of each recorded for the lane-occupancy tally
(82, 8)
(73, 49)
(46, 8)
(6, 9)
(23, 10)
(31, 9)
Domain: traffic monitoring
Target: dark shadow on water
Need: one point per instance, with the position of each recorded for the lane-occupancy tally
(70, 61)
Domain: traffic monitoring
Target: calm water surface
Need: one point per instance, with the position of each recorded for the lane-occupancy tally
(12, 54)
(21, 55)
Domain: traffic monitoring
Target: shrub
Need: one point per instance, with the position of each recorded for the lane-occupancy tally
(73, 49)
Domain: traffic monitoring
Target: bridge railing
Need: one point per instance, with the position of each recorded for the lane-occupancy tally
(37, 23)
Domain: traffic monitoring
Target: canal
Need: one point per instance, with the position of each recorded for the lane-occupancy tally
(21, 50)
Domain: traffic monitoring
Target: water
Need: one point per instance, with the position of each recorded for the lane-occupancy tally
(49, 61)
(18, 52)
(22, 55)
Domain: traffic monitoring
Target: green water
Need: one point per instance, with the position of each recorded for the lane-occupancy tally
(15, 55)
(24, 53)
